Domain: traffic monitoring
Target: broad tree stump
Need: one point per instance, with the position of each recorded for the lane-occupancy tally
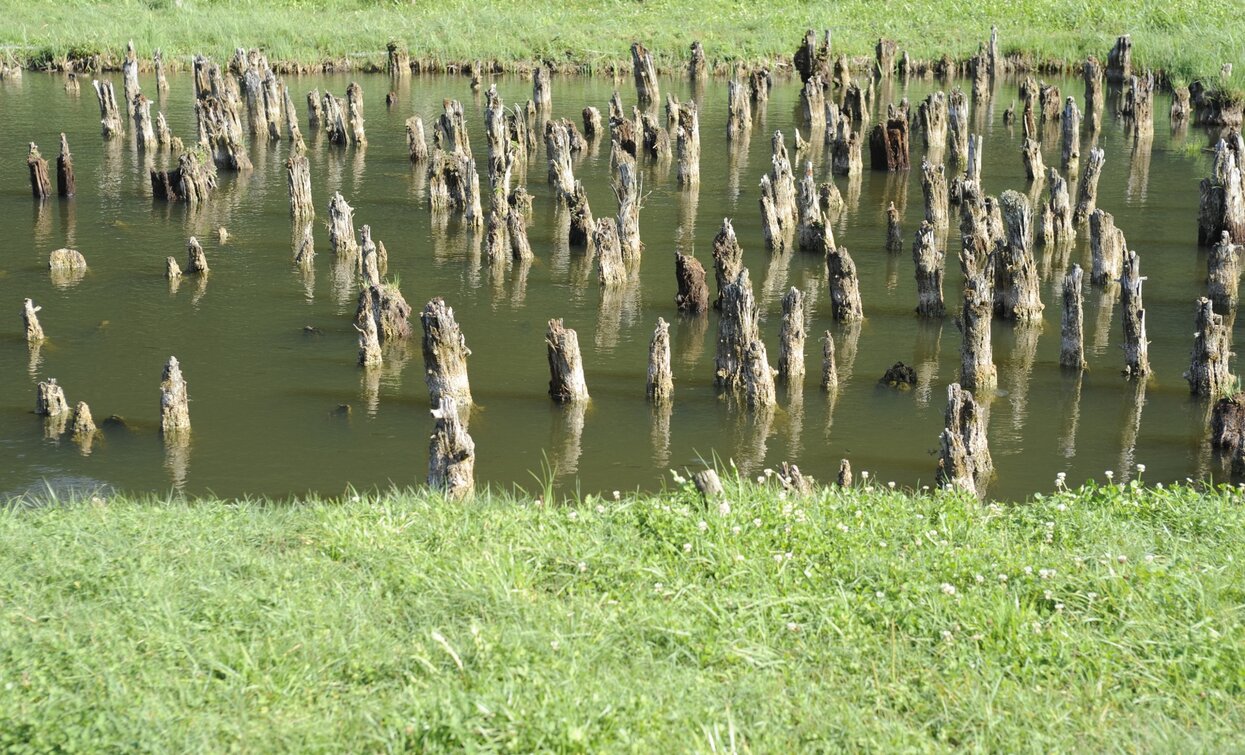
(1057, 228)
(736, 329)
(30, 321)
(1072, 327)
(611, 267)
(1222, 203)
(809, 229)
(1017, 286)
(542, 93)
(627, 189)
(557, 146)
(82, 428)
(791, 339)
(932, 118)
(1223, 274)
(1120, 60)
(844, 478)
(582, 224)
(811, 59)
(298, 181)
(50, 399)
(1107, 247)
(143, 125)
(646, 88)
(1031, 151)
(728, 259)
(1136, 346)
(964, 455)
(696, 62)
(845, 152)
(1208, 373)
(111, 124)
(66, 185)
(884, 52)
(738, 111)
(174, 401)
(813, 108)
(40, 184)
(1139, 106)
(1087, 193)
(844, 286)
(445, 355)
(451, 452)
(659, 385)
(929, 261)
(592, 122)
(336, 123)
(760, 82)
(66, 261)
(934, 194)
(709, 485)
(757, 377)
(196, 260)
(341, 227)
(566, 370)
(192, 181)
(888, 144)
(977, 371)
(693, 291)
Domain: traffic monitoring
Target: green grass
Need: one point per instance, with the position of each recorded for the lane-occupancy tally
(1105, 619)
(1190, 39)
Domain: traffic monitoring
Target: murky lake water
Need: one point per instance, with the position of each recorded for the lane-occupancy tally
(264, 392)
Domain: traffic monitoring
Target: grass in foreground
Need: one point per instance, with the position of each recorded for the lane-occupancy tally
(1104, 619)
(1189, 39)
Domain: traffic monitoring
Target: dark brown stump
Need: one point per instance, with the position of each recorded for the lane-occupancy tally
(66, 186)
(451, 452)
(592, 122)
(811, 59)
(964, 456)
(566, 371)
(845, 151)
(659, 385)
(1208, 373)
(693, 295)
(581, 227)
(1072, 329)
(40, 184)
(1120, 60)
(888, 144)
(1222, 203)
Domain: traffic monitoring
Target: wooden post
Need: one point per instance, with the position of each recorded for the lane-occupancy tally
(979, 66)
(845, 153)
(1071, 137)
(314, 117)
(50, 399)
(40, 184)
(1136, 347)
(1140, 106)
(369, 334)
(844, 478)
(191, 182)
(696, 62)
(1222, 204)
(757, 377)
(736, 329)
(1107, 247)
(398, 63)
(693, 293)
(688, 144)
(66, 185)
(336, 124)
(1072, 338)
(298, 181)
(354, 108)
(929, 261)
(957, 120)
(157, 59)
(809, 230)
(1092, 74)
(885, 54)
(1208, 373)
(888, 144)
(592, 122)
(771, 224)
(659, 385)
(83, 426)
(341, 227)
(1031, 150)
(1223, 273)
(829, 371)
(561, 172)
(813, 105)
(171, 271)
(738, 111)
(977, 371)
(445, 355)
(611, 267)
(626, 185)
(1120, 59)
(1057, 228)
(129, 77)
(1017, 293)
(728, 258)
(582, 225)
(844, 287)
(759, 83)
(516, 224)
(645, 75)
(164, 137)
(894, 229)
(1087, 194)
(1050, 101)
(416, 144)
(566, 371)
(791, 339)
(932, 117)
(934, 192)
(273, 103)
(542, 94)
(174, 401)
(964, 455)
(1181, 106)
(30, 321)
(810, 59)
(196, 260)
(783, 179)
(451, 452)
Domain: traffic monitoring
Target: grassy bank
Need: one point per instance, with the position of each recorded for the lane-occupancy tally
(1189, 39)
(1103, 619)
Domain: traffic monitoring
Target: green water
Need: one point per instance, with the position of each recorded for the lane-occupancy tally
(263, 392)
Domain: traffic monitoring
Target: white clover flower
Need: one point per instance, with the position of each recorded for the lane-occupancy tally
(724, 508)
(600, 509)
(760, 479)
(864, 474)
(947, 636)
(573, 515)
(1109, 474)
(768, 472)
(1028, 570)
(702, 525)
(788, 555)
(1059, 606)
(948, 588)
(739, 557)
(978, 578)
(687, 547)
(882, 544)
(1122, 558)
(1003, 578)
(617, 495)
(736, 529)
(879, 595)
(778, 558)
(756, 522)
(792, 626)
(1141, 468)
(891, 484)
(1149, 558)
(1062, 507)
(583, 567)
(658, 587)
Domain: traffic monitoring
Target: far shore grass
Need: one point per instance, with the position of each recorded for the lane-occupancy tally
(1105, 619)
(1187, 40)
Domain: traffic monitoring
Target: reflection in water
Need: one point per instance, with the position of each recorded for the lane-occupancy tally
(177, 459)
(659, 432)
(66, 278)
(35, 361)
(42, 224)
(775, 285)
(69, 221)
(1131, 428)
(1070, 410)
(752, 431)
(369, 388)
(795, 420)
(1139, 170)
(928, 350)
(54, 426)
(851, 200)
(1102, 321)
(566, 436)
(395, 353)
(736, 168)
(685, 234)
(619, 310)
(1019, 373)
(518, 288)
(689, 339)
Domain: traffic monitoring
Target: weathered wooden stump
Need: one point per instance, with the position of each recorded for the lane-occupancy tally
(932, 117)
(957, 122)
(844, 478)
(929, 261)
(1070, 140)
(646, 88)
(1227, 423)
(810, 231)
(1208, 373)
(829, 371)
(627, 189)
(1107, 247)
(557, 146)
(810, 59)
(192, 181)
(1181, 106)
(1139, 106)
(688, 143)
(40, 184)
(1072, 336)
(894, 229)
(728, 258)
(888, 144)
(1222, 204)
(196, 260)
(1092, 73)
(1031, 151)
(582, 224)
(516, 225)
(315, 117)
(979, 67)
(736, 329)
(976, 235)
(174, 401)
(844, 286)
(1136, 346)
(1223, 274)
(66, 261)
(336, 122)
(66, 185)
(398, 61)
(757, 377)
(298, 181)
(1087, 192)
(445, 355)
(341, 227)
(738, 111)
(611, 267)
(50, 399)
(143, 125)
(566, 370)
(110, 120)
(791, 339)
(354, 108)
(934, 194)
(813, 107)
(82, 428)
(30, 321)
(693, 291)
(977, 371)
(709, 485)
(845, 152)
(172, 272)
(964, 455)
(760, 82)
(451, 452)
(884, 53)
(592, 122)
(1057, 228)
(1017, 286)
(1120, 60)
(659, 385)
(369, 334)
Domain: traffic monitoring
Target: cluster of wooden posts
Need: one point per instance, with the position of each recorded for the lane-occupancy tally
(998, 235)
